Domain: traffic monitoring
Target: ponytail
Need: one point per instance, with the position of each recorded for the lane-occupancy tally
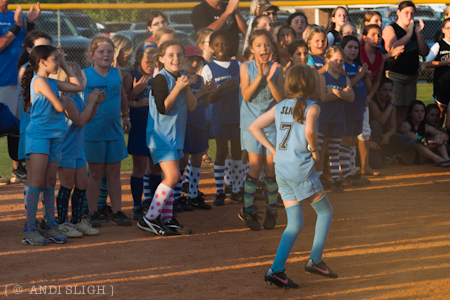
(301, 84)
(25, 83)
(299, 110)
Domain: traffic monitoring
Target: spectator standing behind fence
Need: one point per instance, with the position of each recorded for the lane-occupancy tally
(13, 29)
(403, 72)
(215, 15)
(155, 20)
(338, 17)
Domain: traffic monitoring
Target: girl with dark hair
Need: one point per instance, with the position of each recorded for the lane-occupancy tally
(338, 17)
(298, 21)
(156, 20)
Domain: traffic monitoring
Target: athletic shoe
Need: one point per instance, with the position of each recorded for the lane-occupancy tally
(105, 213)
(250, 217)
(53, 234)
(153, 226)
(280, 201)
(176, 227)
(271, 217)
(325, 182)
(236, 198)
(137, 212)
(348, 181)
(279, 279)
(4, 181)
(177, 206)
(199, 202)
(337, 187)
(32, 235)
(85, 228)
(228, 190)
(185, 189)
(21, 173)
(15, 179)
(94, 219)
(69, 230)
(319, 269)
(121, 219)
(220, 199)
(185, 204)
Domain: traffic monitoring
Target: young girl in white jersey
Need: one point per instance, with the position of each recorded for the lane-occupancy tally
(295, 151)
(262, 86)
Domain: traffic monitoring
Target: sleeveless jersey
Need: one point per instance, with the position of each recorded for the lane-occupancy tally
(167, 131)
(45, 121)
(333, 111)
(355, 110)
(106, 125)
(406, 63)
(197, 118)
(261, 100)
(292, 161)
(72, 147)
(319, 62)
(337, 37)
(139, 115)
(226, 109)
(441, 81)
(373, 67)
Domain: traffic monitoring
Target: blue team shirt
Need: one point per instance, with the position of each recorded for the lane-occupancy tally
(261, 101)
(292, 161)
(197, 118)
(139, 115)
(45, 121)
(355, 110)
(72, 147)
(319, 62)
(333, 111)
(10, 55)
(167, 131)
(106, 125)
(226, 109)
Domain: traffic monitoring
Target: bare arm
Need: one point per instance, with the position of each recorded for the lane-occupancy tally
(218, 24)
(247, 89)
(347, 93)
(78, 118)
(257, 129)
(126, 124)
(381, 117)
(376, 81)
(277, 89)
(241, 23)
(405, 129)
(310, 129)
(74, 85)
(325, 94)
(421, 44)
(8, 37)
(41, 86)
(190, 99)
(390, 38)
(181, 83)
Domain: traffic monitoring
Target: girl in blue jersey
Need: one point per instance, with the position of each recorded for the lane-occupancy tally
(104, 143)
(317, 45)
(358, 74)
(295, 151)
(45, 134)
(72, 167)
(32, 39)
(166, 128)
(224, 113)
(262, 86)
(137, 84)
(336, 90)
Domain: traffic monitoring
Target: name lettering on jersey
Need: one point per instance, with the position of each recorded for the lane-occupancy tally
(445, 55)
(286, 110)
(222, 79)
(110, 92)
(334, 86)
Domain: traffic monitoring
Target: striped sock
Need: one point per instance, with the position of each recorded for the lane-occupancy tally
(344, 160)
(218, 175)
(167, 210)
(77, 205)
(352, 160)
(103, 193)
(333, 149)
(62, 202)
(49, 200)
(146, 185)
(193, 185)
(162, 194)
(25, 196)
(32, 203)
(237, 175)
(85, 204)
(272, 191)
(228, 172)
(177, 190)
(188, 172)
(249, 189)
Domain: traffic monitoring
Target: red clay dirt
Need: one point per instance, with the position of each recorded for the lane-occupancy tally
(389, 240)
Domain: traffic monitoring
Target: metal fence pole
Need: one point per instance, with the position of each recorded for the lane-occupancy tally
(59, 27)
(316, 16)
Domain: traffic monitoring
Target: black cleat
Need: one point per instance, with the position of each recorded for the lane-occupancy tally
(154, 226)
(271, 217)
(279, 279)
(220, 199)
(250, 217)
(319, 269)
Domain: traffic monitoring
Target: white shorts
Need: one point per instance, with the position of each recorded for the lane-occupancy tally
(9, 97)
(365, 135)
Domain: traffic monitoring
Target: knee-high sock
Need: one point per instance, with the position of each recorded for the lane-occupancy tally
(103, 193)
(249, 189)
(137, 187)
(290, 234)
(344, 160)
(333, 149)
(62, 203)
(193, 184)
(162, 193)
(245, 168)
(25, 196)
(228, 172)
(146, 185)
(32, 204)
(324, 215)
(262, 175)
(85, 205)
(352, 160)
(49, 200)
(177, 190)
(218, 176)
(237, 175)
(78, 197)
(167, 210)
(187, 178)
(272, 191)
(320, 140)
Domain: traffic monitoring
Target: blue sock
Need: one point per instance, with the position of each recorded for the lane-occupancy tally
(49, 200)
(137, 187)
(324, 214)
(249, 189)
(218, 176)
(154, 181)
(32, 204)
(290, 234)
(62, 202)
(188, 172)
(103, 193)
(146, 185)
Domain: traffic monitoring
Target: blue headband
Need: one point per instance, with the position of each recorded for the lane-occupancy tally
(149, 46)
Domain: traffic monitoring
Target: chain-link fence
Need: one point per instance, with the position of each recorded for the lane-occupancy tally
(72, 29)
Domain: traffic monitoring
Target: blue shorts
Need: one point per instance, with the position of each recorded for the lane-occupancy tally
(249, 143)
(331, 129)
(161, 155)
(22, 141)
(226, 132)
(51, 147)
(353, 127)
(105, 152)
(75, 163)
(290, 190)
(137, 145)
(196, 140)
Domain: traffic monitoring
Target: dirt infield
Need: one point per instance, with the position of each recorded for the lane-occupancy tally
(389, 240)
